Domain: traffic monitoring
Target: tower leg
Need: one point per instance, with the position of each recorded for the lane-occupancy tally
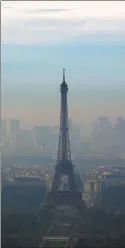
(56, 181)
(71, 179)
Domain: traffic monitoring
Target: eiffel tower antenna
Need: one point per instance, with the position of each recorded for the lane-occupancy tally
(63, 75)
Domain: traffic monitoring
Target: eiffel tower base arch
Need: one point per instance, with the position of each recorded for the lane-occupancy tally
(67, 198)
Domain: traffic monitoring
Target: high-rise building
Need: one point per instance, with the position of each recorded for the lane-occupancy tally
(41, 136)
(102, 134)
(104, 125)
(14, 127)
(2, 128)
(120, 131)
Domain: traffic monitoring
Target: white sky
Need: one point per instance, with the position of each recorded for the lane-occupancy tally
(42, 21)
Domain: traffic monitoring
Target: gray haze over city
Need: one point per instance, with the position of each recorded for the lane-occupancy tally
(32, 61)
(62, 124)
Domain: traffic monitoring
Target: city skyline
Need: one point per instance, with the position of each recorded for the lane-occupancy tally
(33, 57)
(24, 125)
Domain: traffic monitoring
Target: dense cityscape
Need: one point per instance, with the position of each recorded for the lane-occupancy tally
(98, 156)
(62, 130)
(102, 139)
(99, 177)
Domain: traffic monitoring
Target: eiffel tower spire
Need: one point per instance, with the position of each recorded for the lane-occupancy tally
(64, 153)
(64, 162)
(63, 75)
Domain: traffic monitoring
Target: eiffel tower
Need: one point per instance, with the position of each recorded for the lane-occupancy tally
(64, 166)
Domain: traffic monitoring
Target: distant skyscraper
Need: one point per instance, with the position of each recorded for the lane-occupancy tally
(102, 133)
(2, 128)
(104, 125)
(120, 123)
(14, 126)
(41, 135)
(120, 131)
(38, 132)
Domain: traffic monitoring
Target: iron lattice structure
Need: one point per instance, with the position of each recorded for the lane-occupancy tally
(72, 196)
(64, 161)
(64, 153)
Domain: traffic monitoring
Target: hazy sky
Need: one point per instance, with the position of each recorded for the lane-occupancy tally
(40, 38)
